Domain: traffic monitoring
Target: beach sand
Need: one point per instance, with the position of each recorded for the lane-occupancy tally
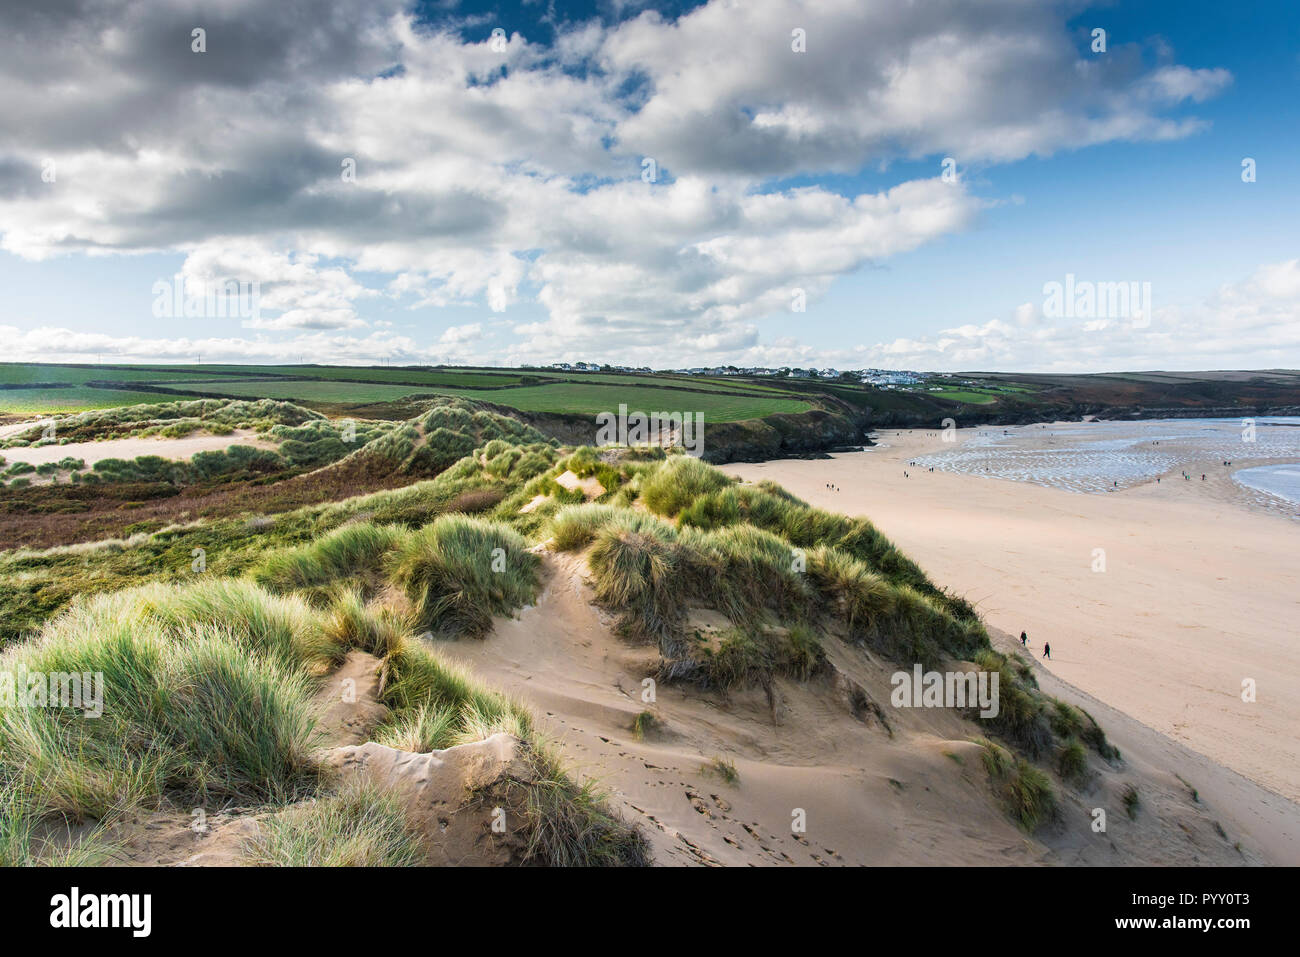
(1199, 592)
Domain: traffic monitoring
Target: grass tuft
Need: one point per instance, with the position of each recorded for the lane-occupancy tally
(678, 482)
(460, 571)
(358, 826)
(724, 768)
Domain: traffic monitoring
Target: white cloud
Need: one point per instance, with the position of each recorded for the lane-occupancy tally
(1255, 322)
(458, 335)
(290, 285)
(500, 177)
(47, 343)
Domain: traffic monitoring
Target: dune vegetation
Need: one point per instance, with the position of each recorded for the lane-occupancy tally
(208, 691)
(211, 666)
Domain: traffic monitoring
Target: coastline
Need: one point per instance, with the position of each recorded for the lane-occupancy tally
(1198, 592)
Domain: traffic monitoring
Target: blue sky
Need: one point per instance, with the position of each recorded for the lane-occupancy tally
(692, 269)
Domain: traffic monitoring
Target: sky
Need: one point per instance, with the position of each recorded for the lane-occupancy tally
(839, 183)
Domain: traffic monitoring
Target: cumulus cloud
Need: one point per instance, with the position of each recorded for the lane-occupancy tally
(458, 335)
(41, 343)
(310, 144)
(1253, 320)
(291, 285)
(992, 81)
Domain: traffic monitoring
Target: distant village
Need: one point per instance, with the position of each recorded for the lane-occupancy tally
(879, 378)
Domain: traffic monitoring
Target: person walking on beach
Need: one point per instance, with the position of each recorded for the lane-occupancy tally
(1024, 639)
(1047, 649)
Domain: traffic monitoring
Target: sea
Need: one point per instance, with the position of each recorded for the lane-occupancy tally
(1260, 454)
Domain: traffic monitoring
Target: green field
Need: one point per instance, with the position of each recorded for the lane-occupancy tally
(579, 399)
(43, 401)
(23, 373)
(964, 395)
(565, 393)
(340, 393)
(563, 397)
(691, 382)
(441, 377)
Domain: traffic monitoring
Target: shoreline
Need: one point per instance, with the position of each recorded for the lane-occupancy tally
(1197, 593)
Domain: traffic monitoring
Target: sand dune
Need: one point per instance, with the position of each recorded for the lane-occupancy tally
(915, 793)
(1199, 592)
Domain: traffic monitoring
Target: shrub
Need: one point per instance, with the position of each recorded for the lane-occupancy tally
(575, 526)
(460, 571)
(802, 655)
(355, 551)
(635, 571)
(863, 597)
(645, 723)
(1132, 801)
(1025, 790)
(678, 482)
(1072, 762)
(1068, 721)
(724, 768)
(193, 709)
(744, 571)
(210, 465)
(350, 624)
(712, 511)
(1022, 716)
(359, 826)
(279, 626)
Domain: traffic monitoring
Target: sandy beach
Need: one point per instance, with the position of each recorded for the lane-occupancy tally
(1198, 593)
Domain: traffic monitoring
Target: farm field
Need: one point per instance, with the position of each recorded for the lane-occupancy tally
(690, 382)
(21, 374)
(964, 395)
(441, 377)
(566, 393)
(308, 390)
(564, 398)
(582, 399)
(73, 399)
(38, 388)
